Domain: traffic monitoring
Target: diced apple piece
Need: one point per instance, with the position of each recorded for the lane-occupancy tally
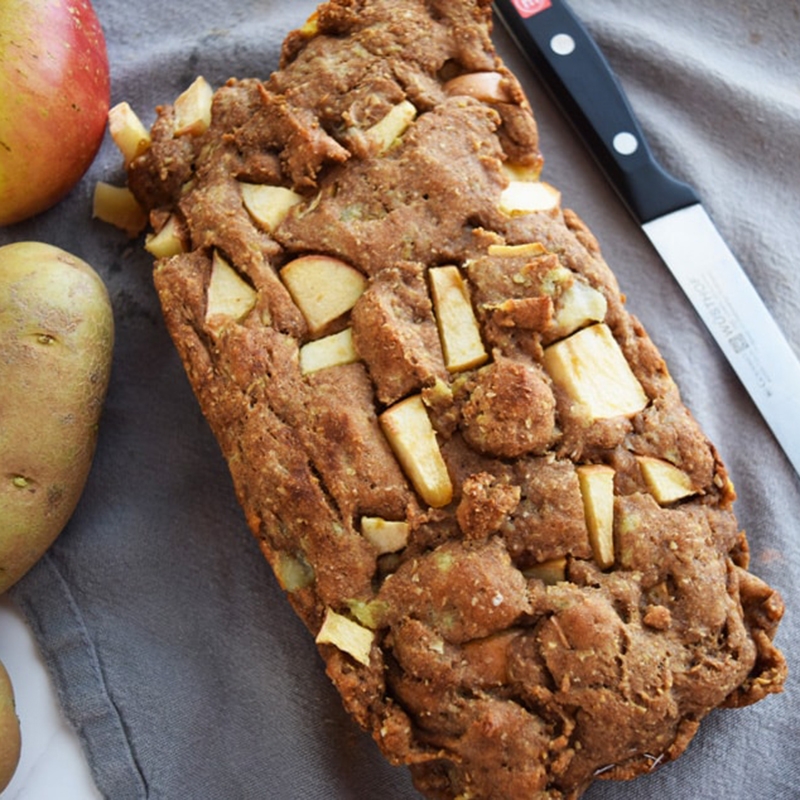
(597, 489)
(230, 297)
(128, 132)
(293, 572)
(488, 87)
(385, 133)
(369, 613)
(522, 172)
(323, 287)
(386, 536)
(528, 250)
(311, 25)
(167, 242)
(268, 205)
(335, 350)
(591, 367)
(117, 206)
(577, 307)
(550, 572)
(666, 482)
(347, 635)
(525, 197)
(461, 337)
(556, 280)
(411, 435)
(193, 109)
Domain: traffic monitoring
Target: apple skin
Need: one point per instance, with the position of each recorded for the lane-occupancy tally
(54, 101)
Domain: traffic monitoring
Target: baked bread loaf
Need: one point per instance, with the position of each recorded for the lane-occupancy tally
(464, 459)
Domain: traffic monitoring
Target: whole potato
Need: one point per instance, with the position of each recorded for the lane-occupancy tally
(56, 342)
(10, 739)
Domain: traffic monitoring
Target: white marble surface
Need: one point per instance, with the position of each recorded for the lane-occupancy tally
(52, 764)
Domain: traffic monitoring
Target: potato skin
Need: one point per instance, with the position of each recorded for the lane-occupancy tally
(10, 737)
(56, 343)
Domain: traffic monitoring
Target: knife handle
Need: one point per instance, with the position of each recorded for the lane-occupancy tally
(573, 69)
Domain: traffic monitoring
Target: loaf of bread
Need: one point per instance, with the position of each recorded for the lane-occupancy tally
(464, 459)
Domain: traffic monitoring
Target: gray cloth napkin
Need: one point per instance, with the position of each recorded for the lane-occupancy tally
(175, 655)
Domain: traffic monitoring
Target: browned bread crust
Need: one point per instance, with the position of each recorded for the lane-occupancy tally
(488, 640)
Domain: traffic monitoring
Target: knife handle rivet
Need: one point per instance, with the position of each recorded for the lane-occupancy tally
(562, 44)
(625, 143)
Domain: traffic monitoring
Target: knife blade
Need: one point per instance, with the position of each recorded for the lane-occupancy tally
(575, 72)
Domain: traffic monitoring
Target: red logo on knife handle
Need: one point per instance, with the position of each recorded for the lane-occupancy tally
(529, 8)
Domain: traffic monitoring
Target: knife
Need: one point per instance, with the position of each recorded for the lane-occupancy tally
(573, 69)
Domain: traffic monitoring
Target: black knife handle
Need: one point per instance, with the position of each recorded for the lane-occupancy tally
(573, 69)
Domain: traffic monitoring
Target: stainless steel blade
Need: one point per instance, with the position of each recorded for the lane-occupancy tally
(708, 272)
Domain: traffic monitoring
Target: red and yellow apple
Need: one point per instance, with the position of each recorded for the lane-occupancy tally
(54, 101)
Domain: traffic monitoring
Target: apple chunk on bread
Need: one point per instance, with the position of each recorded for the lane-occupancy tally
(268, 205)
(526, 197)
(591, 368)
(347, 635)
(488, 87)
(323, 287)
(335, 350)
(577, 307)
(387, 131)
(461, 338)
(412, 438)
(527, 250)
(386, 536)
(230, 297)
(193, 109)
(666, 482)
(169, 241)
(597, 489)
(549, 572)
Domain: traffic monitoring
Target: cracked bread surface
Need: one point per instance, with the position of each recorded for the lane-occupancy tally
(491, 642)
